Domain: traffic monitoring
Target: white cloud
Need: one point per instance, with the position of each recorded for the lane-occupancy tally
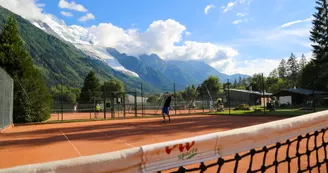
(187, 33)
(231, 4)
(296, 22)
(241, 14)
(161, 37)
(208, 7)
(72, 6)
(67, 14)
(237, 21)
(28, 9)
(250, 67)
(86, 17)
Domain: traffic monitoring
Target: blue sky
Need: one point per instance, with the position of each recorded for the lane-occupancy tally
(261, 31)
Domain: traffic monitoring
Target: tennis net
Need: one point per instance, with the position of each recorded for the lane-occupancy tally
(291, 145)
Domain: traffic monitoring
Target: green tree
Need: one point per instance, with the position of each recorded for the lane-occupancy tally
(235, 84)
(282, 71)
(112, 86)
(302, 62)
(69, 95)
(212, 85)
(256, 82)
(32, 100)
(319, 32)
(90, 89)
(292, 70)
(189, 92)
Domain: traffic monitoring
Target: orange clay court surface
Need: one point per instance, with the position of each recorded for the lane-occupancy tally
(28, 144)
(118, 114)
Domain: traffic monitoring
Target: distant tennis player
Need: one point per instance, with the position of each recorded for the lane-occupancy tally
(166, 107)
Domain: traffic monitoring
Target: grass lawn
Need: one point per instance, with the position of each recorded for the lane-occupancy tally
(277, 112)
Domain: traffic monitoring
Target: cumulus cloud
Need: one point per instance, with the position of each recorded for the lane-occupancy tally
(208, 7)
(187, 33)
(296, 22)
(250, 67)
(72, 6)
(28, 9)
(161, 37)
(86, 17)
(67, 14)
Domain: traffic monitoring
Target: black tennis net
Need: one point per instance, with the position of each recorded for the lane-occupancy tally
(305, 153)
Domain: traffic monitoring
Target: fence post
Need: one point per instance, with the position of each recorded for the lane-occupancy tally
(142, 106)
(135, 104)
(62, 100)
(105, 105)
(229, 95)
(264, 97)
(203, 102)
(313, 101)
(175, 100)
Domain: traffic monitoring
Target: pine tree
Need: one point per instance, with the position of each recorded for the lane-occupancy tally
(302, 62)
(32, 100)
(90, 89)
(292, 70)
(235, 84)
(282, 71)
(319, 32)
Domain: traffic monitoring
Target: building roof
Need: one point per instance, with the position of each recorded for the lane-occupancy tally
(301, 91)
(252, 92)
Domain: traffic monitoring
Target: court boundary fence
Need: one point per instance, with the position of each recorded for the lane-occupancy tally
(6, 100)
(167, 155)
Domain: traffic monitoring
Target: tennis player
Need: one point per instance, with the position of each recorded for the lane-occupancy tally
(166, 108)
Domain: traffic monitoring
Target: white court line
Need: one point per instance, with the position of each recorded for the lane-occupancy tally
(71, 143)
(114, 139)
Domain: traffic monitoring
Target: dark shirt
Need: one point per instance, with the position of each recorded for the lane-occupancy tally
(167, 102)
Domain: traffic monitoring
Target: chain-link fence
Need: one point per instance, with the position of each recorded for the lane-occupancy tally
(6, 100)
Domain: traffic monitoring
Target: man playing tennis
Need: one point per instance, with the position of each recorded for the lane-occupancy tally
(166, 107)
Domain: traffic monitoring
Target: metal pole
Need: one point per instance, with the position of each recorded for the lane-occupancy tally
(263, 92)
(90, 102)
(142, 106)
(62, 100)
(203, 102)
(135, 104)
(229, 95)
(105, 100)
(175, 101)
(313, 101)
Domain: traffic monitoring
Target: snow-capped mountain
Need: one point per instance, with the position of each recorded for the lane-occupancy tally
(81, 39)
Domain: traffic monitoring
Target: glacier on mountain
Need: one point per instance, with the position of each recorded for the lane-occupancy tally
(81, 39)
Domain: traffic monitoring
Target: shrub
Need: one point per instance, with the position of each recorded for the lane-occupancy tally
(243, 107)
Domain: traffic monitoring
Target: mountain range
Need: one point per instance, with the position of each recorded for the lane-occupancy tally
(65, 54)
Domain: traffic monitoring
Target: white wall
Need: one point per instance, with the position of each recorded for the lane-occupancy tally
(285, 99)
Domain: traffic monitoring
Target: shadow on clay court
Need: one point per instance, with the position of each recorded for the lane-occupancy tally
(115, 130)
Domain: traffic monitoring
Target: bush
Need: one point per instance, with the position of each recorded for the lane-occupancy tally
(243, 107)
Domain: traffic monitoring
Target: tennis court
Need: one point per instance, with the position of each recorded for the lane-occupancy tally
(29, 144)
